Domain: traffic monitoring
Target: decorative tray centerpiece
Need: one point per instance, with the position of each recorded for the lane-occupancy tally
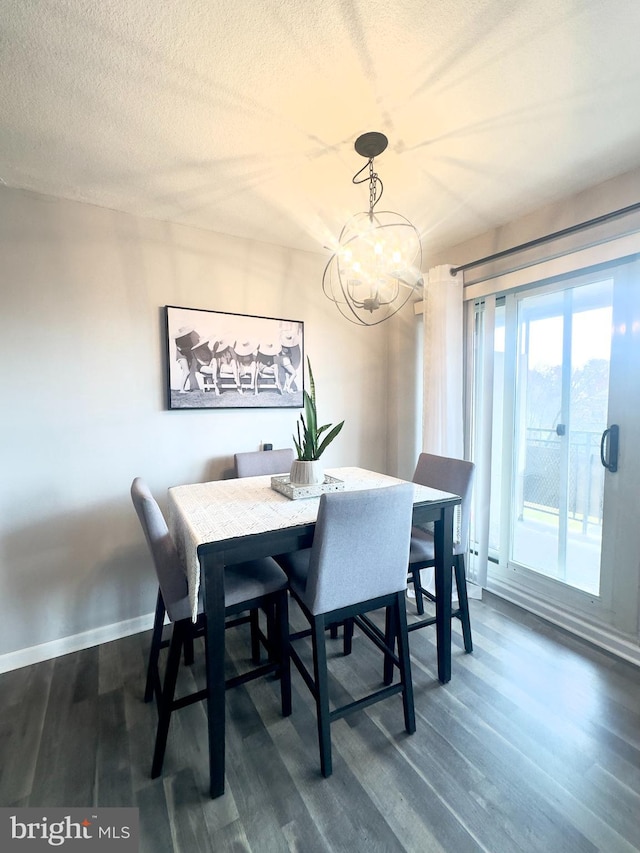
(294, 491)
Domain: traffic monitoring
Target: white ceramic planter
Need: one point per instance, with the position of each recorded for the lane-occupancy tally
(307, 473)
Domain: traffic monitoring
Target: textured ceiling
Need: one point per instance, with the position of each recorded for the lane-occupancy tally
(239, 116)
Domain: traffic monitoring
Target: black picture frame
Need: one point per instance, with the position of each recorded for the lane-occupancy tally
(220, 360)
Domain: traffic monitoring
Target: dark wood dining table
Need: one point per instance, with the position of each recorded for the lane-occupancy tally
(223, 522)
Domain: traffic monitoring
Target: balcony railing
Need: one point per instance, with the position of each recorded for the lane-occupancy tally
(541, 481)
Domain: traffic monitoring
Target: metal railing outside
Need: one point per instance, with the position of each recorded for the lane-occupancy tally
(541, 479)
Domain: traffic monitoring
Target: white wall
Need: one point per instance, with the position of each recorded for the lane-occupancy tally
(82, 371)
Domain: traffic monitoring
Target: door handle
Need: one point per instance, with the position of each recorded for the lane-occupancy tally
(561, 429)
(610, 439)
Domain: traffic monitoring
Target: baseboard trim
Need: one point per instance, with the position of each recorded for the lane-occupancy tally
(600, 635)
(75, 643)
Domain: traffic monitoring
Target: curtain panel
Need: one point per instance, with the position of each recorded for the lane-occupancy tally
(443, 377)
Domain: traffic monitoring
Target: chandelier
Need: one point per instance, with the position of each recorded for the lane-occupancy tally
(376, 267)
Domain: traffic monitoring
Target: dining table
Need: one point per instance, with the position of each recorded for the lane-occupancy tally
(219, 523)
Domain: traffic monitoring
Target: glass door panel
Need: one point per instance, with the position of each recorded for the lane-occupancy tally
(563, 361)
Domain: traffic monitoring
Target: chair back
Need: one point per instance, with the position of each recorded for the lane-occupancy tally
(171, 576)
(360, 547)
(259, 462)
(449, 475)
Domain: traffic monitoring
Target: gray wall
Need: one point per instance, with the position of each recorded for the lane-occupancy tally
(81, 361)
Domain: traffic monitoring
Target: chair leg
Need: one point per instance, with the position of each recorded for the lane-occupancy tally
(417, 587)
(282, 634)
(254, 622)
(333, 629)
(390, 631)
(166, 699)
(272, 631)
(463, 601)
(405, 663)
(322, 694)
(348, 636)
(154, 652)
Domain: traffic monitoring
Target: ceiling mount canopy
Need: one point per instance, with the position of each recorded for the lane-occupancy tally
(371, 144)
(377, 265)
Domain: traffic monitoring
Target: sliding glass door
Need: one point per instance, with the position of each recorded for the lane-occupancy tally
(565, 369)
(562, 395)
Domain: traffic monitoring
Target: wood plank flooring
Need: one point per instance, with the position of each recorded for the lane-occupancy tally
(534, 746)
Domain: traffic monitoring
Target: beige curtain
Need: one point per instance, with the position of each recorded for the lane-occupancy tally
(442, 419)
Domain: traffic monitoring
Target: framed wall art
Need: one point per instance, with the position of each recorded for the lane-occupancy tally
(217, 360)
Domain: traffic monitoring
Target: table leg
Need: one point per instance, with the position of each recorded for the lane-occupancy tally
(443, 539)
(212, 575)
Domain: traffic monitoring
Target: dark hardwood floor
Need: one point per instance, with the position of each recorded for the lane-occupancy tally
(534, 745)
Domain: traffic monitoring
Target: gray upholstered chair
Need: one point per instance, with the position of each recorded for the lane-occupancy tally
(455, 476)
(257, 462)
(260, 583)
(253, 464)
(357, 563)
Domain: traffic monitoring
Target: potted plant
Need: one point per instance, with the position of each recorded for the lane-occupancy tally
(307, 470)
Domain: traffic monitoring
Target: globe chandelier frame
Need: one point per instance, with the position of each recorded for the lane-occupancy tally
(376, 268)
